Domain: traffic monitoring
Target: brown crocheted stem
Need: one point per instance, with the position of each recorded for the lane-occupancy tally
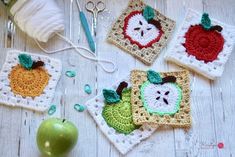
(216, 28)
(168, 79)
(37, 64)
(120, 88)
(156, 23)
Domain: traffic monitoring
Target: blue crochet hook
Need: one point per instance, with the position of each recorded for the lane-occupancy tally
(86, 28)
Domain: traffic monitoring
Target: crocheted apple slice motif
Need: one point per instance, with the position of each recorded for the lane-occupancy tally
(160, 95)
(161, 98)
(204, 41)
(140, 31)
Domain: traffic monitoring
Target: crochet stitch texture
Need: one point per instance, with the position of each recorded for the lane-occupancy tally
(181, 118)
(143, 43)
(119, 115)
(123, 142)
(31, 89)
(204, 44)
(204, 54)
(28, 82)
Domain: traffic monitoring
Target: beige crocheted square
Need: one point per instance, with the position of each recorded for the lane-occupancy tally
(140, 38)
(181, 118)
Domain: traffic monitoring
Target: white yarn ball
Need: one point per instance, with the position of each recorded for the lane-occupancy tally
(40, 19)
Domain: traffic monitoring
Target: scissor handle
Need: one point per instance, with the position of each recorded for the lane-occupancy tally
(90, 6)
(100, 6)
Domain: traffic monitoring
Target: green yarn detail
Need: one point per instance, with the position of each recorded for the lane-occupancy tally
(177, 105)
(154, 77)
(119, 116)
(205, 21)
(25, 61)
(111, 96)
(148, 13)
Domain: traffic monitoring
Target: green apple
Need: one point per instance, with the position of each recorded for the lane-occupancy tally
(56, 137)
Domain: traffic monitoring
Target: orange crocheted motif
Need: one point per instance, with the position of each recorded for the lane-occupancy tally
(29, 83)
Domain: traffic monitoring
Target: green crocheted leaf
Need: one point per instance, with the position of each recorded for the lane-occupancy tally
(25, 61)
(148, 13)
(205, 21)
(119, 116)
(154, 77)
(111, 96)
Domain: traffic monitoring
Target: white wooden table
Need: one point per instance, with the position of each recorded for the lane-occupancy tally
(213, 102)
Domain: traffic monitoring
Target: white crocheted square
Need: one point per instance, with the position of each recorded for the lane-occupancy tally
(122, 142)
(212, 69)
(39, 103)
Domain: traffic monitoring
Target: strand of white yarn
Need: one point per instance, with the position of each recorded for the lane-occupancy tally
(42, 19)
(101, 62)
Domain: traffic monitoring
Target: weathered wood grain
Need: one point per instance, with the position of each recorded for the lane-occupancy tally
(212, 101)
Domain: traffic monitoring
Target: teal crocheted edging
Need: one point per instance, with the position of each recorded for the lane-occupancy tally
(177, 107)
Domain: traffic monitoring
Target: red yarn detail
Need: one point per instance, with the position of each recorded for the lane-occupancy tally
(203, 44)
(149, 44)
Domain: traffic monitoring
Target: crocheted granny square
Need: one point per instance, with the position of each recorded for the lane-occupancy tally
(202, 44)
(141, 31)
(30, 88)
(115, 119)
(161, 98)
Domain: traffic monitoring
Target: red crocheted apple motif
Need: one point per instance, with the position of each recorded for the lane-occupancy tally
(204, 41)
(141, 32)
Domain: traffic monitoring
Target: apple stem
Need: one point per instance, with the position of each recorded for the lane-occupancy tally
(63, 120)
(217, 28)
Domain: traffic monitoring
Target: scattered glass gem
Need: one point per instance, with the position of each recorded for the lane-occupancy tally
(52, 110)
(70, 73)
(220, 145)
(79, 108)
(87, 89)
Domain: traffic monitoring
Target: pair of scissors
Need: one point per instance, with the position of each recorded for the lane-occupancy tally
(95, 8)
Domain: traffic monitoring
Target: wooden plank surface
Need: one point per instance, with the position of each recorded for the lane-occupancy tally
(212, 102)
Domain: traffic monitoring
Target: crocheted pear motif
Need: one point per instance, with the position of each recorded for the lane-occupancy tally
(29, 83)
(139, 31)
(119, 115)
(161, 99)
